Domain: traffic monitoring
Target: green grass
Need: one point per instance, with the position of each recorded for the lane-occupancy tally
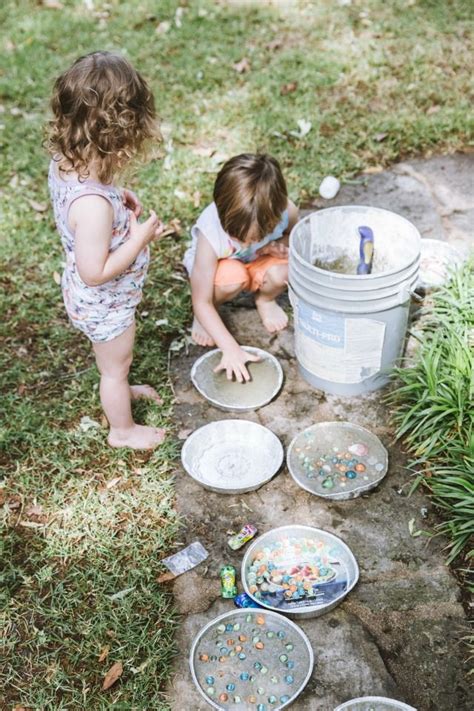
(72, 543)
(435, 411)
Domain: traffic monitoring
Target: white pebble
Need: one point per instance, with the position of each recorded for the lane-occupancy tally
(329, 187)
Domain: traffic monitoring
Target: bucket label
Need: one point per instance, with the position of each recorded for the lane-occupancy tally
(333, 347)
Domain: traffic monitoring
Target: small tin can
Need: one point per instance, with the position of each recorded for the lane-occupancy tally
(244, 600)
(228, 586)
(242, 537)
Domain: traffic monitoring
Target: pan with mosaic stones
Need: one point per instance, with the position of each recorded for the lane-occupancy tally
(299, 570)
(337, 460)
(374, 703)
(251, 660)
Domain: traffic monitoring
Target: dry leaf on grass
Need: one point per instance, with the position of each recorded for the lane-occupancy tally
(114, 673)
(242, 66)
(57, 278)
(52, 4)
(172, 228)
(104, 653)
(163, 27)
(196, 198)
(379, 137)
(184, 434)
(372, 170)
(288, 88)
(433, 110)
(34, 511)
(165, 577)
(274, 44)
(38, 206)
(113, 482)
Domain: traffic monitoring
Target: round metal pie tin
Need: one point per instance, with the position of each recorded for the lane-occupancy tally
(337, 460)
(232, 456)
(266, 381)
(246, 660)
(374, 703)
(299, 570)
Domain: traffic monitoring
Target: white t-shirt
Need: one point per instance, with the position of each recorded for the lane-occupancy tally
(209, 225)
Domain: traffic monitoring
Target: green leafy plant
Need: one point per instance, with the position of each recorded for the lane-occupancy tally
(434, 410)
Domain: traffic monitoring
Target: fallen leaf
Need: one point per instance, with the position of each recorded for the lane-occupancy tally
(411, 528)
(113, 482)
(184, 434)
(121, 594)
(14, 502)
(203, 151)
(165, 577)
(114, 673)
(104, 653)
(274, 44)
(34, 511)
(242, 66)
(57, 278)
(196, 198)
(288, 88)
(163, 27)
(177, 17)
(172, 228)
(379, 137)
(87, 423)
(218, 158)
(433, 110)
(38, 206)
(31, 524)
(111, 634)
(372, 170)
(180, 194)
(304, 127)
(21, 389)
(103, 421)
(162, 322)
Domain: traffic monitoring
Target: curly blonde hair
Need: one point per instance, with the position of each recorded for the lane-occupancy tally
(103, 113)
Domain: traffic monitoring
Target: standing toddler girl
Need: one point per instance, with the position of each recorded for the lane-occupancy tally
(103, 112)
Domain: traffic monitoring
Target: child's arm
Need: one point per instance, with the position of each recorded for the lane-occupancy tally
(90, 218)
(202, 291)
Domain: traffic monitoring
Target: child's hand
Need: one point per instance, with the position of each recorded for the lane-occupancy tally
(131, 201)
(145, 231)
(274, 249)
(233, 362)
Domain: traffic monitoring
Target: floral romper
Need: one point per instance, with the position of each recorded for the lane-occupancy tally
(106, 311)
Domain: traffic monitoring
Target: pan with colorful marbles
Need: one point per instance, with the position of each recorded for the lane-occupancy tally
(337, 460)
(251, 660)
(299, 570)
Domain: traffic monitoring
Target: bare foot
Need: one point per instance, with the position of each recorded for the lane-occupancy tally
(137, 437)
(273, 317)
(145, 392)
(200, 336)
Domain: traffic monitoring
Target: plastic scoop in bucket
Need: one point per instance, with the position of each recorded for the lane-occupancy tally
(366, 250)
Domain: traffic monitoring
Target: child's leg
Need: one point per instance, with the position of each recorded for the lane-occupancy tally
(275, 280)
(114, 359)
(231, 279)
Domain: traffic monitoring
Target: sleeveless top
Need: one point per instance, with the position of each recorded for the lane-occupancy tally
(209, 225)
(104, 311)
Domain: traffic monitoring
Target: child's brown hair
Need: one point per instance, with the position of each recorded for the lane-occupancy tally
(250, 195)
(103, 111)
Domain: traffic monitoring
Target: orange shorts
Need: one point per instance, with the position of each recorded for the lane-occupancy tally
(232, 271)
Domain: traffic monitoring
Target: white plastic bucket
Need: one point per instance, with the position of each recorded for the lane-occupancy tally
(350, 329)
